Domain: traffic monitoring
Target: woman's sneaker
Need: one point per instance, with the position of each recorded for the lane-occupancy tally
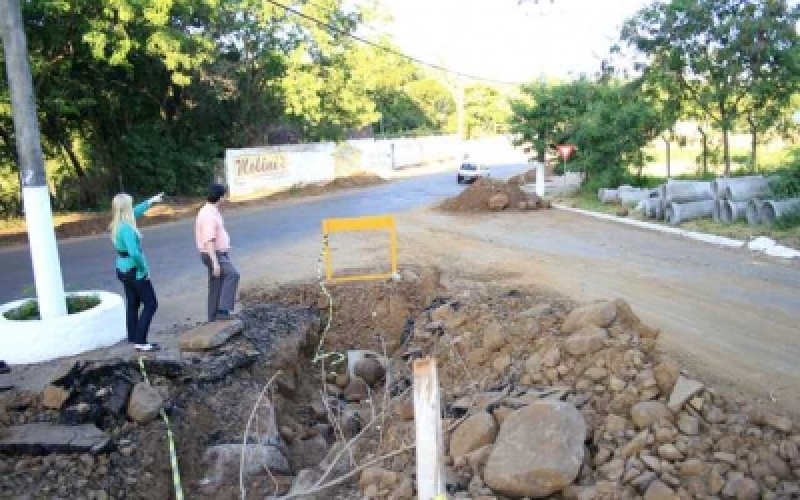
(147, 347)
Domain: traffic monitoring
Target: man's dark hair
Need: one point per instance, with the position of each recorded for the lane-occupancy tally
(215, 192)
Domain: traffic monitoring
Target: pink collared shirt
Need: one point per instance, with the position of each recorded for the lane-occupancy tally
(209, 226)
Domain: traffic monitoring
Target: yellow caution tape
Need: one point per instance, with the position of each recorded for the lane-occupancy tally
(173, 456)
(320, 355)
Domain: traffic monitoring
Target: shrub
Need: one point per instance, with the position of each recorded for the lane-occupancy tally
(29, 310)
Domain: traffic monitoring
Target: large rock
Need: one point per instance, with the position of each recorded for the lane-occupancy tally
(667, 374)
(683, 391)
(494, 339)
(644, 414)
(44, 438)
(660, 491)
(600, 314)
(307, 453)
(210, 335)
(54, 397)
(476, 431)
(370, 370)
(357, 390)
(539, 451)
(145, 403)
(498, 201)
(587, 340)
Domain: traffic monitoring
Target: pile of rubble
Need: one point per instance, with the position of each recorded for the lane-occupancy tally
(578, 403)
(541, 398)
(493, 195)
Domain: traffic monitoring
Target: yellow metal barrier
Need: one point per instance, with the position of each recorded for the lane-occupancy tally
(370, 223)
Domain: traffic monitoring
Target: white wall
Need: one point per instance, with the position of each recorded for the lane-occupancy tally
(276, 169)
(253, 171)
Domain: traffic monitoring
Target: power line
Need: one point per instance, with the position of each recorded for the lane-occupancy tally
(389, 50)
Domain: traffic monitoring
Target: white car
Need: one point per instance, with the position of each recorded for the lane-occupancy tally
(470, 172)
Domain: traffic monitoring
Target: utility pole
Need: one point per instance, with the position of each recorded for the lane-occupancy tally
(460, 105)
(36, 197)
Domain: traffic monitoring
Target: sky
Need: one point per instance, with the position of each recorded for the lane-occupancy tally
(509, 40)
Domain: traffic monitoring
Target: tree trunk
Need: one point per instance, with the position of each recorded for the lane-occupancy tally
(753, 143)
(726, 150)
(541, 153)
(669, 159)
(705, 149)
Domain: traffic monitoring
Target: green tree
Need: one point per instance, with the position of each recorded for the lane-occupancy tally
(708, 46)
(486, 110)
(546, 115)
(612, 132)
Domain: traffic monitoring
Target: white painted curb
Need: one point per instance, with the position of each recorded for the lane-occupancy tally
(764, 245)
(24, 342)
(707, 238)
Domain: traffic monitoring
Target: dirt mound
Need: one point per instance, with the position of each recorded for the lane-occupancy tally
(358, 180)
(486, 195)
(524, 178)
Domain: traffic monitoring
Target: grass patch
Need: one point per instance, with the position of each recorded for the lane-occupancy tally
(29, 310)
(587, 200)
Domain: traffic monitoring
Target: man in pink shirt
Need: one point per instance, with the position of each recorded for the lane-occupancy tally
(214, 244)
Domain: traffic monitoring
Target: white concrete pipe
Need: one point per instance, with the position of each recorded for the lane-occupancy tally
(753, 212)
(654, 208)
(647, 207)
(748, 189)
(681, 212)
(771, 210)
(633, 196)
(610, 196)
(732, 211)
(716, 214)
(719, 185)
(677, 191)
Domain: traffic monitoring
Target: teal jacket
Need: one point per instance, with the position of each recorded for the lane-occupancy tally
(127, 240)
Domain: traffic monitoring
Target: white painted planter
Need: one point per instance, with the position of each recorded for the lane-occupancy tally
(35, 341)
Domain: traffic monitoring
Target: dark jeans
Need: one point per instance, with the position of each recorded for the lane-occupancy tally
(138, 294)
(221, 289)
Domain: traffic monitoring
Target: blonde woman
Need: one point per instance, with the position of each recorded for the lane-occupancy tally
(132, 268)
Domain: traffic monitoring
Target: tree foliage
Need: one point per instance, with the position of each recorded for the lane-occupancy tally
(609, 123)
(145, 95)
(730, 58)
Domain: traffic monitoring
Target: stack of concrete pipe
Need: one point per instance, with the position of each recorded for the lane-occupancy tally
(626, 195)
(687, 200)
(766, 211)
(726, 199)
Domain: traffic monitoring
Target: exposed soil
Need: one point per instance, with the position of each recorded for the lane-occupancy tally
(486, 195)
(498, 349)
(86, 224)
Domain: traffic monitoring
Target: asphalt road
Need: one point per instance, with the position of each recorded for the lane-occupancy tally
(256, 233)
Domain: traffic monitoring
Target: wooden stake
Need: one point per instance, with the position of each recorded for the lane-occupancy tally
(428, 422)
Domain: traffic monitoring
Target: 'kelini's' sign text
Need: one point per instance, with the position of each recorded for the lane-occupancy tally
(261, 165)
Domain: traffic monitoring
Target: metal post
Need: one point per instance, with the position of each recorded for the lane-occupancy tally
(461, 111)
(36, 198)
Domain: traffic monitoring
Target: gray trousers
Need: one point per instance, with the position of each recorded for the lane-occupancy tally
(221, 289)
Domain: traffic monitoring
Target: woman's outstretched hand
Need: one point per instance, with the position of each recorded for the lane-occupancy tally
(157, 198)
